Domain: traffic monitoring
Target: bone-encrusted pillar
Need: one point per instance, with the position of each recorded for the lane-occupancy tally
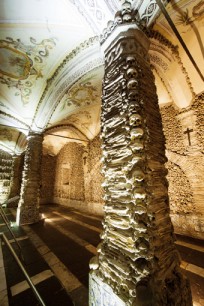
(28, 206)
(15, 179)
(137, 261)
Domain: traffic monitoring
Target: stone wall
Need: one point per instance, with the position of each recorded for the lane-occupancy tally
(186, 166)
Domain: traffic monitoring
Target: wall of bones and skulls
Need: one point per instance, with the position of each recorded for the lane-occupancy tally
(185, 165)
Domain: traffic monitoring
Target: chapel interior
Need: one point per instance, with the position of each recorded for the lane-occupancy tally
(102, 152)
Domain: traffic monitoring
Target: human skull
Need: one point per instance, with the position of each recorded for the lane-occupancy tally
(133, 94)
(127, 17)
(118, 18)
(110, 26)
(135, 120)
(138, 175)
(132, 73)
(126, 8)
(139, 193)
(94, 264)
(137, 145)
(105, 34)
(133, 107)
(132, 84)
(130, 60)
(136, 133)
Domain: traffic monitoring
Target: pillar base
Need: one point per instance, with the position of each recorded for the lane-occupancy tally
(27, 215)
(101, 294)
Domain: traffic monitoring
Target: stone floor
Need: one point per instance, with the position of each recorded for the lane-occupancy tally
(56, 253)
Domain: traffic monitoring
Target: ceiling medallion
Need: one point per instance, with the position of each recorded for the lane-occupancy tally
(21, 65)
(14, 63)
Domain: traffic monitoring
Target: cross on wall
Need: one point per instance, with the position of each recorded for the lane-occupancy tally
(188, 131)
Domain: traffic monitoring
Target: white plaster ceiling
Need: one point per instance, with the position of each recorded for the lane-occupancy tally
(51, 65)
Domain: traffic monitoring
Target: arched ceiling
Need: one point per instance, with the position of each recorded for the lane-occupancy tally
(51, 65)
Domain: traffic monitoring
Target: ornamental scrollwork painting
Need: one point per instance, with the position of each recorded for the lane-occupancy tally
(21, 64)
(5, 134)
(83, 93)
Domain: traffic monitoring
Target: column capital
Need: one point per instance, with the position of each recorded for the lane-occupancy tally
(137, 43)
(34, 134)
(124, 20)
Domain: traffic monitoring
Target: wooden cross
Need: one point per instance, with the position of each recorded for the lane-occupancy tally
(188, 131)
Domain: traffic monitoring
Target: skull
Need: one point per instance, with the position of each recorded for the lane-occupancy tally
(110, 26)
(135, 120)
(93, 264)
(133, 94)
(136, 133)
(105, 34)
(138, 175)
(132, 73)
(132, 84)
(137, 146)
(130, 60)
(118, 18)
(126, 8)
(127, 17)
(133, 107)
(139, 193)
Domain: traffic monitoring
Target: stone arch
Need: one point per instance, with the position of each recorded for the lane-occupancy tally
(165, 59)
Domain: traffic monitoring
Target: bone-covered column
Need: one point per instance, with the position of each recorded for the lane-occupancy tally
(28, 206)
(15, 179)
(137, 257)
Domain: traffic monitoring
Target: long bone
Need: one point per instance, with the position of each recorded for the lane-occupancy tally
(127, 198)
(117, 138)
(116, 194)
(124, 236)
(112, 82)
(114, 122)
(119, 153)
(120, 209)
(111, 92)
(118, 161)
(119, 223)
(113, 132)
(112, 99)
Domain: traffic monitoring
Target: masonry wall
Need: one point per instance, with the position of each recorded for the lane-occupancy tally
(186, 166)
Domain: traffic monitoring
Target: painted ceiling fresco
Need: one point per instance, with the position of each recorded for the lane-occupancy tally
(21, 65)
(84, 93)
(37, 38)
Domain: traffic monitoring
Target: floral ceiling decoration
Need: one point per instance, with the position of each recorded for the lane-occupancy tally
(21, 65)
(84, 93)
(75, 119)
(5, 134)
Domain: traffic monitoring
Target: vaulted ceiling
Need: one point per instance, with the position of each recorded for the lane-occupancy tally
(51, 65)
